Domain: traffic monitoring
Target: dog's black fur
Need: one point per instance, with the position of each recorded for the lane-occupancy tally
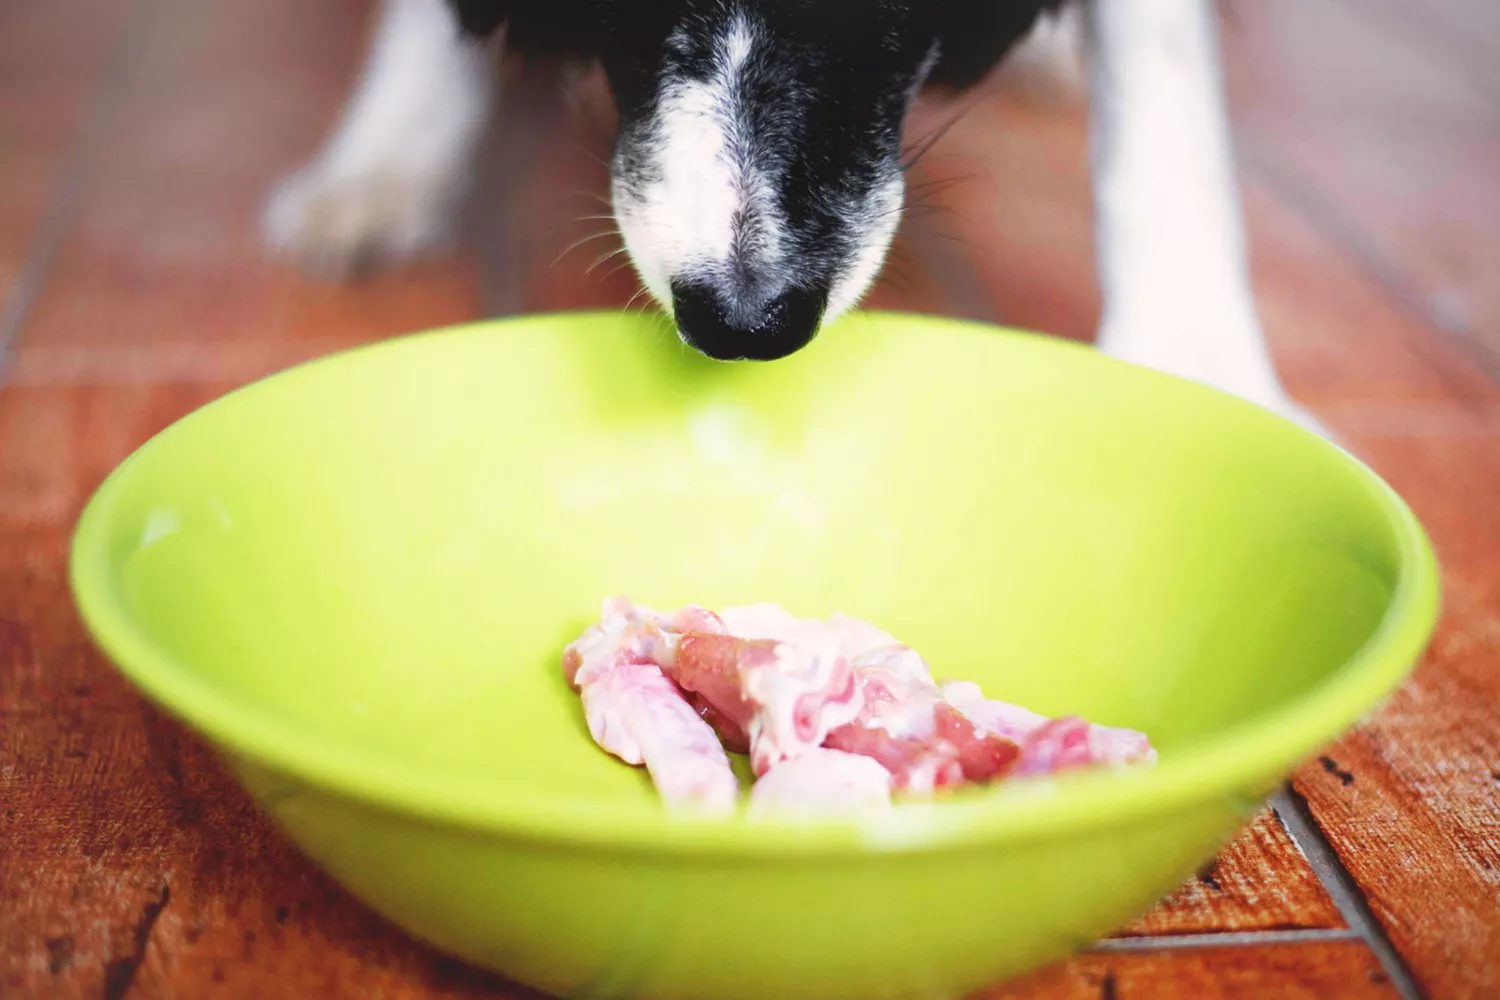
(972, 35)
(826, 100)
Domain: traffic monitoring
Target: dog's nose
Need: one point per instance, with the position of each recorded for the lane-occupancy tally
(740, 331)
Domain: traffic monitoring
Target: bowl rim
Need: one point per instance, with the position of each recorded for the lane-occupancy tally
(1239, 767)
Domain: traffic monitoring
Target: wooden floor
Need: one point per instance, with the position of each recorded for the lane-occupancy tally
(137, 138)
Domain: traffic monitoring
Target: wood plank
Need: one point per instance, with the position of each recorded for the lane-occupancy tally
(244, 915)
(1261, 882)
(1374, 115)
(1017, 202)
(58, 443)
(132, 862)
(1022, 212)
(57, 55)
(166, 248)
(1346, 970)
(1411, 799)
(1467, 30)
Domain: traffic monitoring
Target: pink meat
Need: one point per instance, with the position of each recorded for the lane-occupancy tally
(634, 712)
(983, 756)
(638, 715)
(921, 766)
(954, 751)
(1049, 745)
(822, 780)
(710, 669)
(773, 698)
(908, 727)
(830, 711)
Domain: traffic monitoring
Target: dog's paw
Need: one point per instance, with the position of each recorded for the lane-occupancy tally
(336, 224)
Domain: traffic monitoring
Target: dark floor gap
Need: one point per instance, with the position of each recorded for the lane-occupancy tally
(1300, 824)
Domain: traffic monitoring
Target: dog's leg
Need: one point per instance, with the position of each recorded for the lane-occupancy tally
(1169, 232)
(389, 179)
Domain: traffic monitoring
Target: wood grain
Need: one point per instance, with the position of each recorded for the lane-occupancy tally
(1383, 124)
(217, 102)
(1411, 799)
(1261, 882)
(58, 55)
(1341, 970)
(132, 866)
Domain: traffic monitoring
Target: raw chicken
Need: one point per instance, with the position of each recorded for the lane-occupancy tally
(822, 781)
(1049, 745)
(776, 699)
(833, 713)
(637, 714)
(908, 726)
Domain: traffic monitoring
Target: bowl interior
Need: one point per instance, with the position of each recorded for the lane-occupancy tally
(379, 556)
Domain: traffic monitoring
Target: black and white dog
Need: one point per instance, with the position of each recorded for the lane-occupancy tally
(758, 177)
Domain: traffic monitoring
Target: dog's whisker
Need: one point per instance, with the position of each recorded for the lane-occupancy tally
(632, 300)
(919, 211)
(892, 276)
(594, 196)
(578, 243)
(899, 269)
(951, 237)
(937, 185)
(601, 259)
(592, 155)
(627, 262)
(908, 266)
(924, 146)
(949, 157)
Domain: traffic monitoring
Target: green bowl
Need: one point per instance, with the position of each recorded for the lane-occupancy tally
(355, 578)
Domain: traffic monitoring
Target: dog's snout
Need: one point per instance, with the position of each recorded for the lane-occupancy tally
(728, 329)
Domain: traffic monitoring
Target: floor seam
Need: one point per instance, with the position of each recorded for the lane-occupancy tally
(1303, 827)
(1448, 35)
(1370, 259)
(1225, 939)
(63, 199)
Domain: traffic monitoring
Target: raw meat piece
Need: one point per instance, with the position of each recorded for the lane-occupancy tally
(838, 633)
(1049, 745)
(906, 725)
(780, 699)
(833, 711)
(822, 780)
(914, 765)
(637, 714)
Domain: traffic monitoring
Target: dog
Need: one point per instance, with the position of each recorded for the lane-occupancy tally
(757, 178)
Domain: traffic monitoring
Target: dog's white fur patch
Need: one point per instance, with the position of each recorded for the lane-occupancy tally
(877, 220)
(390, 177)
(706, 206)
